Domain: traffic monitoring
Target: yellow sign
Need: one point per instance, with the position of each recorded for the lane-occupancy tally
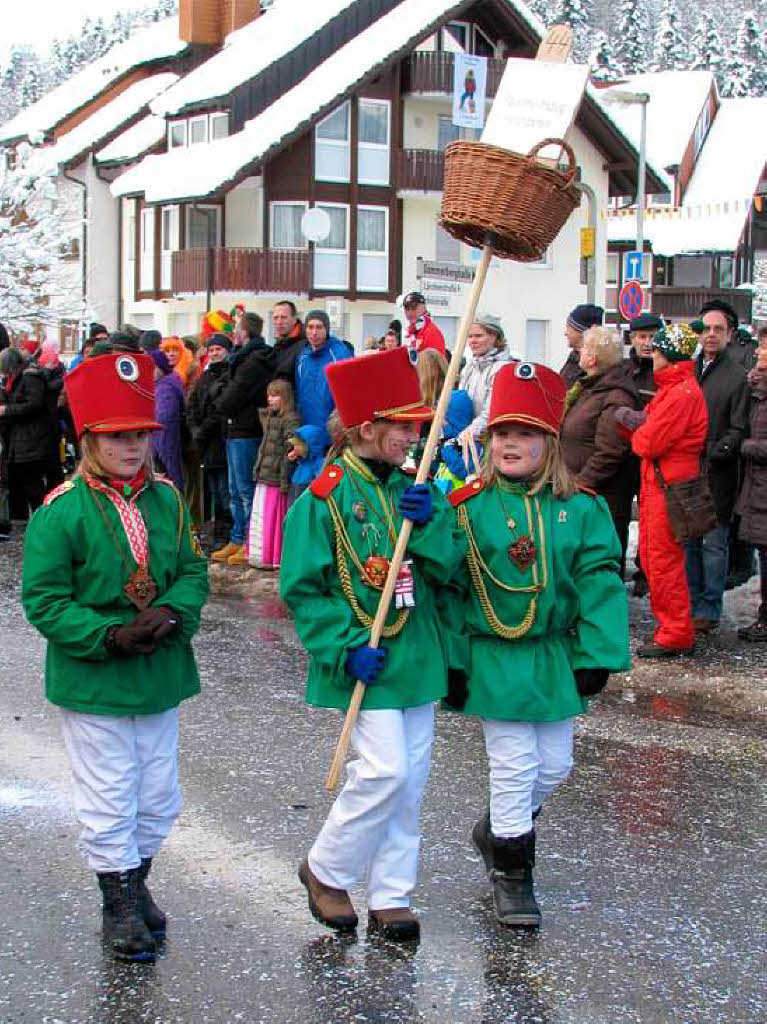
(588, 242)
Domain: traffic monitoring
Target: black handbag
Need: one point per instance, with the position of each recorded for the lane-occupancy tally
(689, 506)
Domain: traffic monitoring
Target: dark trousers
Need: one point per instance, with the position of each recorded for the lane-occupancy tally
(763, 581)
(28, 485)
(622, 529)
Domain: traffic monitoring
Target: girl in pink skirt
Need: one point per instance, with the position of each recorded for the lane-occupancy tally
(272, 473)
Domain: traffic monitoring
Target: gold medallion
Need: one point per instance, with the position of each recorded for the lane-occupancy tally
(140, 589)
(376, 569)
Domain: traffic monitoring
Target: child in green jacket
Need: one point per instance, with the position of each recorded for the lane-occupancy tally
(544, 620)
(115, 581)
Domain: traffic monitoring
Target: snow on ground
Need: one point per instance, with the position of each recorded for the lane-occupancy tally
(149, 44)
(106, 120)
(135, 141)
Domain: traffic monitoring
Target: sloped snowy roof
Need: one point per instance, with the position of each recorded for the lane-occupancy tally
(174, 176)
(249, 51)
(105, 121)
(676, 100)
(135, 141)
(718, 199)
(149, 44)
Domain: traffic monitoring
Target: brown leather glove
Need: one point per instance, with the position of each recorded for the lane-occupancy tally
(129, 640)
(160, 620)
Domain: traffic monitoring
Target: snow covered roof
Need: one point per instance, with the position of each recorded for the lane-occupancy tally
(173, 175)
(250, 50)
(106, 120)
(134, 141)
(718, 199)
(676, 100)
(145, 46)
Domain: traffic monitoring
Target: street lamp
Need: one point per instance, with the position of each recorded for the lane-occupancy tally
(627, 98)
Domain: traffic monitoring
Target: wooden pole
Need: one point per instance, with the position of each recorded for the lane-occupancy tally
(334, 774)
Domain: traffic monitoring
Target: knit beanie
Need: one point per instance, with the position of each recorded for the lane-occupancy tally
(160, 360)
(224, 340)
(318, 314)
(150, 340)
(585, 316)
(676, 342)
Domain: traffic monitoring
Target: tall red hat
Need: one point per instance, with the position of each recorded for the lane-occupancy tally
(112, 392)
(528, 393)
(383, 386)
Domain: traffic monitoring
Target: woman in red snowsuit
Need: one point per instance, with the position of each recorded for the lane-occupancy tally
(673, 433)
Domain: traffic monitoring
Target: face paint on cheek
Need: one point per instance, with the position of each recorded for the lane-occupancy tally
(536, 450)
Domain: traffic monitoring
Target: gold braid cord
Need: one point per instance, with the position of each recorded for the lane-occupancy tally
(344, 546)
(473, 561)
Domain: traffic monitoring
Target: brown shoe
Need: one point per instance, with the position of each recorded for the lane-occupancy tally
(397, 924)
(653, 650)
(223, 553)
(238, 557)
(329, 906)
(704, 626)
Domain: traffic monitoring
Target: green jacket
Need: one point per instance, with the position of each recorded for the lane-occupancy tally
(72, 592)
(310, 584)
(272, 465)
(581, 619)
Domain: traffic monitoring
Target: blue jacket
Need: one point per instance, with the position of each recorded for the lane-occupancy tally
(313, 399)
(310, 466)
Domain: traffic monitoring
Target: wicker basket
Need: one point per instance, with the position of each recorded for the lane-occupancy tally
(521, 204)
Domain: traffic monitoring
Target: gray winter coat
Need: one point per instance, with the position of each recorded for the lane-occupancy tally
(477, 378)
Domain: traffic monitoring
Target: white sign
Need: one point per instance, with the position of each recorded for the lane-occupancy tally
(536, 100)
(469, 90)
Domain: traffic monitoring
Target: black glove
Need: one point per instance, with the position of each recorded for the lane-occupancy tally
(161, 620)
(590, 681)
(129, 640)
(457, 690)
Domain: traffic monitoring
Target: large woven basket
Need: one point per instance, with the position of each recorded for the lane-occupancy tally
(510, 201)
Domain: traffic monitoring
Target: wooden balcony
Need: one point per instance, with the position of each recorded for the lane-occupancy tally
(241, 270)
(420, 170)
(427, 71)
(678, 302)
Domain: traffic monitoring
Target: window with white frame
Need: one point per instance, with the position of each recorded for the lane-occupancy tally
(611, 271)
(170, 241)
(446, 248)
(219, 126)
(372, 248)
(176, 134)
(285, 230)
(544, 263)
(373, 144)
(131, 254)
(701, 128)
(146, 252)
(198, 130)
(536, 333)
(331, 146)
(447, 132)
(197, 226)
(331, 255)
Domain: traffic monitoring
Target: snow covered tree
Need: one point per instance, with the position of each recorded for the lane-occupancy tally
(750, 46)
(706, 49)
(631, 44)
(38, 283)
(669, 51)
(576, 14)
(31, 83)
(604, 67)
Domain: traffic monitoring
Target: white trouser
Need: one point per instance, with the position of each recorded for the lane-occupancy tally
(126, 791)
(373, 827)
(527, 760)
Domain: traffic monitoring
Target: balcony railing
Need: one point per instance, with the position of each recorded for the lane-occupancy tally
(678, 301)
(427, 71)
(241, 270)
(422, 170)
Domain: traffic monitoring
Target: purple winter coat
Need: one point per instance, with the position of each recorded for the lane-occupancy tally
(166, 443)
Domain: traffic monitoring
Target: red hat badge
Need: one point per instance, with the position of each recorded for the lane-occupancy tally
(383, 386)
(528, 393)
(112, 392)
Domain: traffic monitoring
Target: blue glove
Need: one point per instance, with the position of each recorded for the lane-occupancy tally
(415, 504)
(365, 663)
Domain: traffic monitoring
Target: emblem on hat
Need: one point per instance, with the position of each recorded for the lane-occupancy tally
(127, 368)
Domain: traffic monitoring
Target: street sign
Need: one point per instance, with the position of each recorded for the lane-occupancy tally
(633, 266)
(630, 300)
(588, 242)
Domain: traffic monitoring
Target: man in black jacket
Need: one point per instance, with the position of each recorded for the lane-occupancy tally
(251, 367)
(289, 339)
(725, 388)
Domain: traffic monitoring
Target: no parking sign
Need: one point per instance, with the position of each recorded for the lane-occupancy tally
(630, 300)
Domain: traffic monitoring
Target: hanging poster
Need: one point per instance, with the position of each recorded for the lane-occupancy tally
(469, 90)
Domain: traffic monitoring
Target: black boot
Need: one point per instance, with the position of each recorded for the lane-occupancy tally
(481, 837)
(512, 876)
(123, 927)
(153, 917)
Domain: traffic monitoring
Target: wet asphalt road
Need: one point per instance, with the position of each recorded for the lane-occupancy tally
(651, 868)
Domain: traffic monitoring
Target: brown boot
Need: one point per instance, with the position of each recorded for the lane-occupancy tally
(397, 924)
(223, 553)
(329, 906)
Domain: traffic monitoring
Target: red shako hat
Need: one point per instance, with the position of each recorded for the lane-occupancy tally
(383, 386)
(528, 393)
(112, 392)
